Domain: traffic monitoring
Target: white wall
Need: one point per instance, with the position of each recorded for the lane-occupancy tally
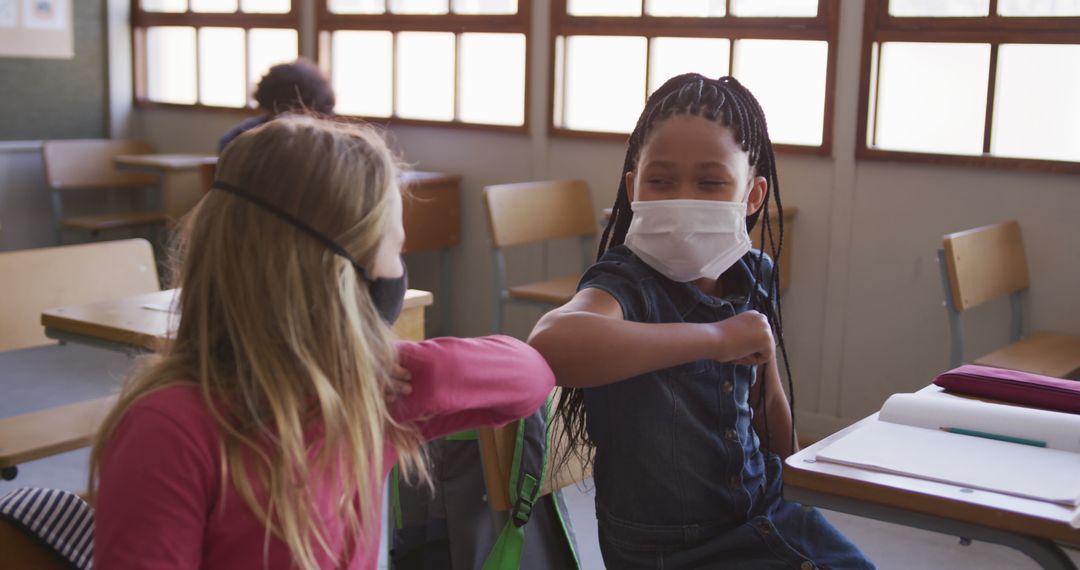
(863, 317)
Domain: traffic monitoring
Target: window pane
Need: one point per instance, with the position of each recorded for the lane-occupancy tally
(788, 79)
(603, 7)
(692, 8)
(267, 48)
(673, 56)
(266, 6)
(775, 8)
(485, 6)
(357, 6)
(1035, 111)
(425, 75)
(935, 8)
(164, 5)
(170, 65)
(419, 6)
(486, 97)
(213, 5)
(221, 67)
(932, 97)
(362, 73)
(1039, 7)
(604, 93)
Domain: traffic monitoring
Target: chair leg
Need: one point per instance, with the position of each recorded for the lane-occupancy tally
(956, 334)
(498, 313)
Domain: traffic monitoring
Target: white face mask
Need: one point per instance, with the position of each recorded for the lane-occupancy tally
(688, 239)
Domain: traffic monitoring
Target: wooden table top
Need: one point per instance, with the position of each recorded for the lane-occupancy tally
(129, 321)
(165, 162)
(1004, 512)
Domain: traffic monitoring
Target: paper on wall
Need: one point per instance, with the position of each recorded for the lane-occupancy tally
(9, 13)
(46, 14)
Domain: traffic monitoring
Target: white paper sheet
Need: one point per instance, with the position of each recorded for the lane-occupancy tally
(1058, 429)
(1009, 468)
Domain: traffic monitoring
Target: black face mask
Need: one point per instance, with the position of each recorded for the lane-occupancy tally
(388, 295)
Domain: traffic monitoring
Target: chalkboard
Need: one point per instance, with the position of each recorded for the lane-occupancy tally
(59, 98)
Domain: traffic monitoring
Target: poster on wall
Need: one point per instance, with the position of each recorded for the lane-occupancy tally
(9, 14)
(36, 28)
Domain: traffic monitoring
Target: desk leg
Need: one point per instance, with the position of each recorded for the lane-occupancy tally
(444, 292)
(1045, 552)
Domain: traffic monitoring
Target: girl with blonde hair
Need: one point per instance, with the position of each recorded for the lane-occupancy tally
(260, 435)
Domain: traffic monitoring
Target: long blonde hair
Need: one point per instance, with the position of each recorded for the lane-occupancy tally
(281, 335)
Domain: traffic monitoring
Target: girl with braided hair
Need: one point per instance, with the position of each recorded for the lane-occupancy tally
(667, 354)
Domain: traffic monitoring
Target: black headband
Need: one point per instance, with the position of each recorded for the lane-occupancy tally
(296, 222)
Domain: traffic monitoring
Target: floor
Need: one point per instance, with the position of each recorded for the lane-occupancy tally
(56, 375)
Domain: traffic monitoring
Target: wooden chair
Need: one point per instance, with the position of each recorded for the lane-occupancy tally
(532, 212)
(983, 264)
(39, 279)
(87, 165)
(52, 431)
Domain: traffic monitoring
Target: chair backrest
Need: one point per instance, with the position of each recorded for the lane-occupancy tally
(529, 212)
(88, 164)
(985, 263)
(39, 279)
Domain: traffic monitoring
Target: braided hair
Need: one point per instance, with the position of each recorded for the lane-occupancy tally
(728, 102)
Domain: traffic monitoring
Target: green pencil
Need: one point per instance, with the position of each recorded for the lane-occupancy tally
(999, 437)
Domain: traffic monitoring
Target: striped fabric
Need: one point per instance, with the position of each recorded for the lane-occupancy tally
(61, 520)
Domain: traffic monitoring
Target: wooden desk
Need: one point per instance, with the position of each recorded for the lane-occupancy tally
(176, 201)
(755, 236)
(1033, 527)
(125, 323)
(161, 163)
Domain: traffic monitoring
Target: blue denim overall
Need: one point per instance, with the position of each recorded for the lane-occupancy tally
(681, 479)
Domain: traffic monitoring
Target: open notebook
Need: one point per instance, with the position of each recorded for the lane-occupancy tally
(908, 439)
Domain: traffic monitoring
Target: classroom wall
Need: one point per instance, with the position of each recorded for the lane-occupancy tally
(864, 316)
(88, 96)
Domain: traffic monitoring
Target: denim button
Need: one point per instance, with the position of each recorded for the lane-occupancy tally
(807, 565)
(731, 435)
(764, 528)
(728, 387)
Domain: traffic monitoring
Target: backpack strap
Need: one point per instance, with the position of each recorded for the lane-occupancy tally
(526, 474)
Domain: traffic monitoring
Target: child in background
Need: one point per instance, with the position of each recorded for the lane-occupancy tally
(668, 350)
(261, 436)
(299, 86)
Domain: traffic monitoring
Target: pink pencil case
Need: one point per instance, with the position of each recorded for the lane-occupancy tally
(1013, 386)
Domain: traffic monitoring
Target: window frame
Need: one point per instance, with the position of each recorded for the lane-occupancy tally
(879, 26)
(823, 27)
(141, 20)
(327, 22)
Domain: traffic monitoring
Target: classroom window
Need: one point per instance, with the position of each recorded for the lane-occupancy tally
(777, 48)
(981, 82)
(209, 53)
(431, 62)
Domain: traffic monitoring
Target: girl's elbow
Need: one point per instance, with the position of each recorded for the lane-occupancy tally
(536, 384)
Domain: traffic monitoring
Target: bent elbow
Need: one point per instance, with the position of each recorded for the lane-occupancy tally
(536, 384)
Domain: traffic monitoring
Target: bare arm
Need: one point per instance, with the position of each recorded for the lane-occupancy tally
(777, 411)
(588, 343)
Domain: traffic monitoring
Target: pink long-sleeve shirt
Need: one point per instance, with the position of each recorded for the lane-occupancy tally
(159, 504)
